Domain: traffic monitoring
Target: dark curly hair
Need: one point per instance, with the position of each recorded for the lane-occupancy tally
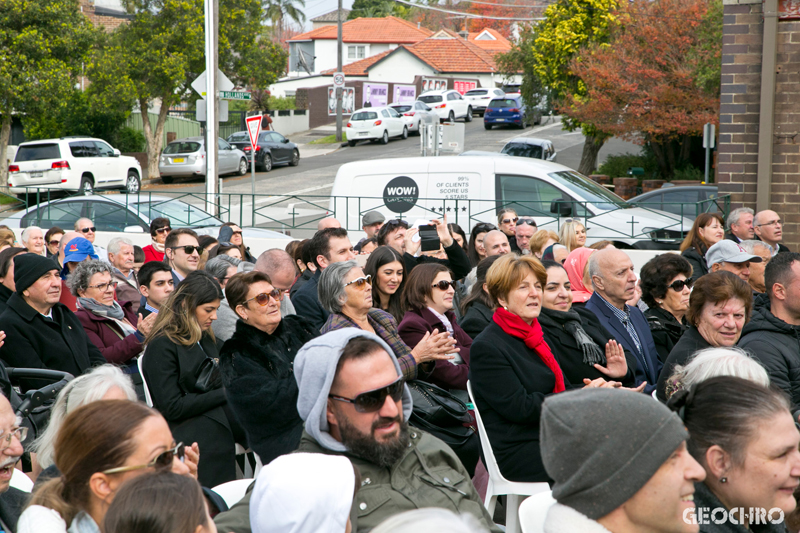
(658, 272)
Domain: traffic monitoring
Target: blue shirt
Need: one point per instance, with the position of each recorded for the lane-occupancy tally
(624, 316)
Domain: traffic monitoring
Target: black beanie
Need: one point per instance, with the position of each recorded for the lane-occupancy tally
(30, 267)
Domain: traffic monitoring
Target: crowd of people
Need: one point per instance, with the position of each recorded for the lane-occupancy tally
(646, 401)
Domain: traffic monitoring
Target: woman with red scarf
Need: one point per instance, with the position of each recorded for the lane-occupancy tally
(512, 369)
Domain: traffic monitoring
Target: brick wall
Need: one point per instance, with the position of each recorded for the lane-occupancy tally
(109, 23)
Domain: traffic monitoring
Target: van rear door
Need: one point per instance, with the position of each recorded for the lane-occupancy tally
(455, 188)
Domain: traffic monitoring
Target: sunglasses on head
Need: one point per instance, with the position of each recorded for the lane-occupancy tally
(444, 284)
(164, 230)
(87, 230)
(360, 282)
(188, 250)
(679, 284)
(528, 221)
(371, 401)
(263, 298)
(161, 461)
(510, 220)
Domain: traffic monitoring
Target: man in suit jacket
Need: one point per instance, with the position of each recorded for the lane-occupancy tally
(740, 225)
(614, 283)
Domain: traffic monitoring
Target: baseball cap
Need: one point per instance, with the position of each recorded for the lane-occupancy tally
(727, 251)
(373, 217)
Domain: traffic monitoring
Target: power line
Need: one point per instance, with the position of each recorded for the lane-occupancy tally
(507, 5)
(469, 15)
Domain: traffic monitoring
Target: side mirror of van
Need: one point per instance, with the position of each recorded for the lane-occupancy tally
(561, 208)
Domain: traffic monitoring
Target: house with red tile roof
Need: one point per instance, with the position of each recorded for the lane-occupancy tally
(490, 40)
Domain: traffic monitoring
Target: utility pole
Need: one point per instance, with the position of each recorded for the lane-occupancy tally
(212, 105)
(339, 69)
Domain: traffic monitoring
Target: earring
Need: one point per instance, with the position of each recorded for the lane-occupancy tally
(723, 480)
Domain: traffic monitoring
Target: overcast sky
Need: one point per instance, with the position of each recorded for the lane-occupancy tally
(315, 8)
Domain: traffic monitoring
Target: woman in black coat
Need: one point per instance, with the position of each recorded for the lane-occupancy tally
(477, 308)
(708, 229)
(666, 282)
(257, 365)
(583, 347)
(178, 345)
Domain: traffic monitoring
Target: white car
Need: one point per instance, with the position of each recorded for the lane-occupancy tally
(80, 164)
(416, 113)
(480, 98)
(375, 124)
(448, 105)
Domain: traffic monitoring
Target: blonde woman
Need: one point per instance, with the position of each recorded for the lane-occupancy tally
(541, 240)
(572, 234)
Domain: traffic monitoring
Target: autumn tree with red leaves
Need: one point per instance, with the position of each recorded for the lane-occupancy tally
(650, 83)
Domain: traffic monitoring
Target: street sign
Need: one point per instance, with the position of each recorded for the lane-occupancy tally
(709, 139)
(223, 83)
(338, 79)
(253, 128)
(234, 95)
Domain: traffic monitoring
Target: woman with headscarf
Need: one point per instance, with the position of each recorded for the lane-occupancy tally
(575, 265)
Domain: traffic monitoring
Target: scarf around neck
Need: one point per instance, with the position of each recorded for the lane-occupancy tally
(158, 247)
(571, 322)
(533, 337)
(96, 308)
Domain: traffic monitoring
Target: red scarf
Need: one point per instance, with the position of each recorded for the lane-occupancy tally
(534, 339)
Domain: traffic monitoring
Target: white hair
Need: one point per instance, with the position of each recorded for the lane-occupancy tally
(80, 391)
(430, 520)
(736, 214)
(27, 231)
(715, 362)
(750, 246)
(115, 244)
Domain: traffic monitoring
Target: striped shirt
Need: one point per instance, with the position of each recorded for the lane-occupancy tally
(625, 318)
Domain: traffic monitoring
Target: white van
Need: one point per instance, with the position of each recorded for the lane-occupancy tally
(473, 189)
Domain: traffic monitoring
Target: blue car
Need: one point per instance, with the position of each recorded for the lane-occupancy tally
(506, 110)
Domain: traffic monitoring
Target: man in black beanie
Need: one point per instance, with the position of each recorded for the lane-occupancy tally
(40, 331)
(619, 462)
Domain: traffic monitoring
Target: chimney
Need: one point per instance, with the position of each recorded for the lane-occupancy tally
(464, 34)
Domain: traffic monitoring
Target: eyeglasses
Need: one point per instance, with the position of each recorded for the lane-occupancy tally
(162, 460)
(164, 230)
(104, 286)
(236, 233)
(188, 250)
(371, 401)
(54, 243)
(528, 221)
(772, 223)
(21, 433)
(263, 298)
(679, 284)
(509, 220)
(444, 284)
(360, 282)
(87, 230)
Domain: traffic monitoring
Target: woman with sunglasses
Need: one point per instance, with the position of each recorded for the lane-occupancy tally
(385, 266)
(193, 402)
(346, 292)
(507, 222)
(257, 365)
(100, 446)
(708, 229)
(666, 282)
(159, 229)
(475, 248)
(52, 240)
(428, 300)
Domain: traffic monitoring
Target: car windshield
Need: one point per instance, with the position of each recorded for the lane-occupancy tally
(36, 152)
(365, 115)
(430, 98)
(523, 150)
(239, 137)
(477, 92)
(182, 147)
(178, 212)
(402, 108)
(502, 103)
(589, 190)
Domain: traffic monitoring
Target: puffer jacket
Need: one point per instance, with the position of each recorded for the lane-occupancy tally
(776, 345)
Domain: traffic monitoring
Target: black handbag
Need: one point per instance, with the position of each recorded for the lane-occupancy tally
(208, 376)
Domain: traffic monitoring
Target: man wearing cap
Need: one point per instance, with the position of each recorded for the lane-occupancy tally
(371, 223)
(620, 464)
(76, 251)
(730, 256)
(40, 331)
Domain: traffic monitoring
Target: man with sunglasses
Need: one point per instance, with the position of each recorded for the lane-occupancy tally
(88, 231)
(523, 233)
(182, 253)
(12, 500)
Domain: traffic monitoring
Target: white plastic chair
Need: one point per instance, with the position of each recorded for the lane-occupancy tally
(148, 399)
(533, 511)
(20, 481)
(233, 491)
(498, 485)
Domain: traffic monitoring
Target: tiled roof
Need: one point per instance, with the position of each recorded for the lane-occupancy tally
(370, 30)
(453, 55)
(500, 44)
(331, 17)
(360, 67)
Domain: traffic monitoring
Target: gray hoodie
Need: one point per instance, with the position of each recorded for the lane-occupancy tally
(314, 369)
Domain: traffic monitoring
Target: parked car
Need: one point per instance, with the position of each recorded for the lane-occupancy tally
(187, 157)
(511, 110)
(272, 149)
(474, 153)
(375, 124)
(480, 98)
(72, 164)
(530, 147)
(681, 199)
(449, 105)
(416, 114)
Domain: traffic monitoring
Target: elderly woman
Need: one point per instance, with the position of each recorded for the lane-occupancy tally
(159, 229)
(113, 328)
(584, 348)
(542, 239)
(257, 365)
(477, 308)
(475, 249)
(713, 362)
(719, 307)
(222, 267)
(385, 266)
(579, 279)
(512, 369)
(428, 299)
(708, 229)
(346, 292)
(572, 234)
(746, 439)
(666, 282)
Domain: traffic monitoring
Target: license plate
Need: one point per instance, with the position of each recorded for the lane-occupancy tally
(37, 174)
(179, 160)
(362, 133)
(500, 120)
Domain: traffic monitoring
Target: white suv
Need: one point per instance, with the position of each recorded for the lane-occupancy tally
(80, 164)
(448, 105)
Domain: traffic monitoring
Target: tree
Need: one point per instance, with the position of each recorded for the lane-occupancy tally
(279, 10)
(42, 45)
(645, 86)
(378, 8)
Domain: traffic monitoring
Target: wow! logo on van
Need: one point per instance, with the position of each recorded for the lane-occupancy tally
(401, 194)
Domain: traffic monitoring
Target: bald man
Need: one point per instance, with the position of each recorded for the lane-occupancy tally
(328, 222)
(279, 266)
(68, 236)
(496, 243)
(769, 229)
(614, 283)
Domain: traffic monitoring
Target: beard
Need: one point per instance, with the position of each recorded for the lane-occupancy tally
(384, 454)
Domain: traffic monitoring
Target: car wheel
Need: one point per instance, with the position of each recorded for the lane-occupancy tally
(295, 158)
(351, 143)
(87, 186)
(468, 118)
(243, 167)
(167, 179)
(451, 117)
(385, 138)
(405, 132)
(487, 126)
(132, 184)
(267, 163)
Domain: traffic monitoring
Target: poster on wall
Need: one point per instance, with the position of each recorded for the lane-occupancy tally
(375, 95)
(789, 9)
(348, 101)
(404, 94)
(434, 84)
(464, 86)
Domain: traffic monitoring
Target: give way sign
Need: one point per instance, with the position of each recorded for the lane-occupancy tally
(253, 128)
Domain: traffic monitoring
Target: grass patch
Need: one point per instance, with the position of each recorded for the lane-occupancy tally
(330, 139)
(9, 200)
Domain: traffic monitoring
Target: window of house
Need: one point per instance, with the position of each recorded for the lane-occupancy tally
(355, 52)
